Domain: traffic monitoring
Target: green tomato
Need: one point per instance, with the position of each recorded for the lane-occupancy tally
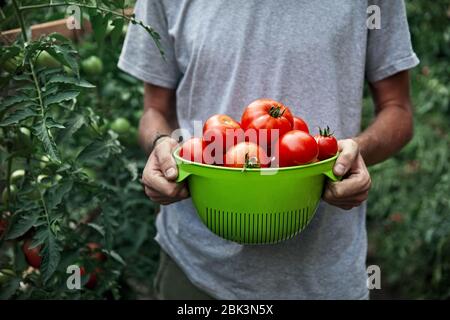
(44, 161)
(120, 125)
(6, 275)
(13, 192)
(17, 175)
(44, 59)
(92, 66)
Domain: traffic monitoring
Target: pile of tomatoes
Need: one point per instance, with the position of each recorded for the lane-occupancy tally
(268, 135)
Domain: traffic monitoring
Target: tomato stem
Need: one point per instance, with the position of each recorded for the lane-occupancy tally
(276, 112)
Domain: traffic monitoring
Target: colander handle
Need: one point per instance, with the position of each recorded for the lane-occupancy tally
(182, 174)
(331, 176)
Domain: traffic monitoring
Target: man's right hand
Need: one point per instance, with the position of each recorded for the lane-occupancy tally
(160, 174)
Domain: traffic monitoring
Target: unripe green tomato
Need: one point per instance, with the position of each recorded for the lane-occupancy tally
(44, 59)
(44, 161)
(12, 195)
(92, 66)
(120, 125)
(17, 175)
(6, 275)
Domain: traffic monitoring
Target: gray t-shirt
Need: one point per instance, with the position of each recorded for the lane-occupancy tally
(313, 56)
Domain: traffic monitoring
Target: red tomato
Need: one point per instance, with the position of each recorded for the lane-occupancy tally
(192, 150)
(296, 148)
(3, 226)
(246, 154)
(32, 255)
(92, 282)
(328, 146)
(300, 124)
(267, 114)
(96, 251)
(223, 126)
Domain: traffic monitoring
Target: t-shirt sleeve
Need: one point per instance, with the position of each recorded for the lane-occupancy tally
(389, 48)
(140, 56)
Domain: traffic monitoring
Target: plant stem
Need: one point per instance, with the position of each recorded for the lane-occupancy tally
(18, 11)
(8, 182)
(86, 6)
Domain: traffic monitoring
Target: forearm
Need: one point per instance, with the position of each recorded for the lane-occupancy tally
(391, 130)
(152, 124)
(159, 115)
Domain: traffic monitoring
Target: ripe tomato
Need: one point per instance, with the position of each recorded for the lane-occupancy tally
(300, 124)
(95, 251)
(267, 114)
(32, 254)
(92, 66)
(3, 226)
(120, 125)
(246, 154)
(223, 127)
(192, 150)
(328, 146)
(92, 281)
(296, 148)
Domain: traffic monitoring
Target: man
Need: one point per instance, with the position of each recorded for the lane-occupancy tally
(313, 56)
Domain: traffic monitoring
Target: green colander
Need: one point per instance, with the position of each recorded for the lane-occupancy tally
(255, 206)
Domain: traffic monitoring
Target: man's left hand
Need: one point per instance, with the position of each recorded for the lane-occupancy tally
(354, 187)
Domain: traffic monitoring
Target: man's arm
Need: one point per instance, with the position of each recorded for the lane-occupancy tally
(389, 132)
(392, 128)
(159, 115)
(160, 171)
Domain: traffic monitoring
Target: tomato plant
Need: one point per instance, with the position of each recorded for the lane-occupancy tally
(68, 184)
(296, 148)
(328, 145)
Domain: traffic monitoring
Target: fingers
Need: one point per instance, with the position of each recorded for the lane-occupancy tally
(349, 150)
(159, 175)
(163, 154)
(154, 195)
(353, 190)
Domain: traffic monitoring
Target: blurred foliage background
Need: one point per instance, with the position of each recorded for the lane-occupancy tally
(409, 206)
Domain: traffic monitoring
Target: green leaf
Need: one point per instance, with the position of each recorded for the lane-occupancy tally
(51, 257)
(96, 149)
(60, 97)
(40, 130)
(99, 25)
(113, 254)
(56, 193)
(8, 290)
(24, 223)
(18, 115)
(72, 126)
(97, 228)
(51, 123)
(70, 80)
(13, 100)
(116, 33)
